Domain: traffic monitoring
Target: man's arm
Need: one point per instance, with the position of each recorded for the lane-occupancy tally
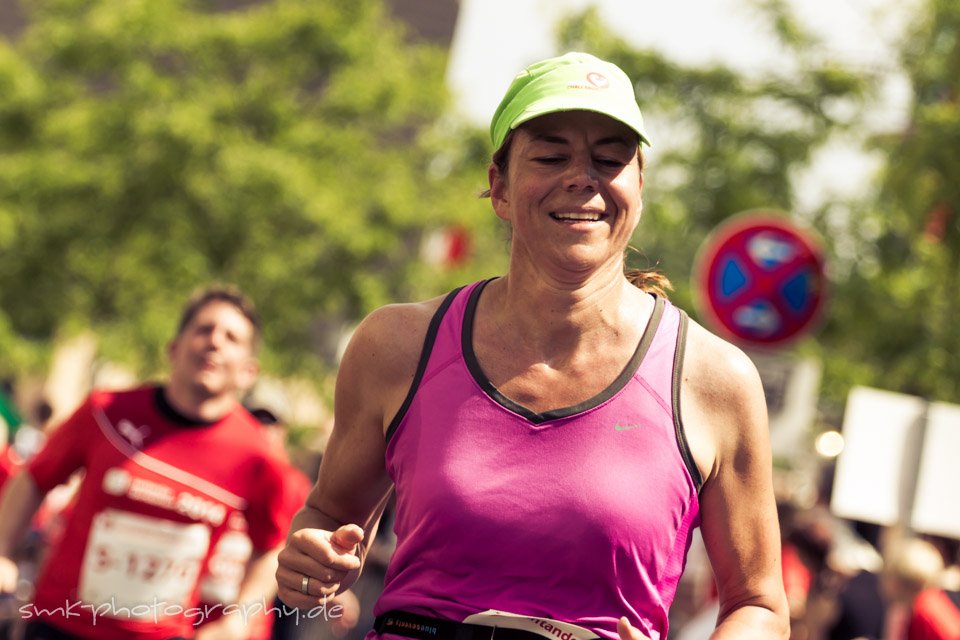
(63, 453)
(20, 501)
(724, 412)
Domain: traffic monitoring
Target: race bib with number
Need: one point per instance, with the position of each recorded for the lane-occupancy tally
(132, 560)
(227, 566)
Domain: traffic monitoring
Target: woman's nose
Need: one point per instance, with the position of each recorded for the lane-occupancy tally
(580, 174)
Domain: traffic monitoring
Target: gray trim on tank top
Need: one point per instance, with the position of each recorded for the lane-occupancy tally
(682, 443)
(564, 412)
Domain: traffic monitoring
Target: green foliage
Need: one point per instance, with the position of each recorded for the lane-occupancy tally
(901, 302)
(153, 147)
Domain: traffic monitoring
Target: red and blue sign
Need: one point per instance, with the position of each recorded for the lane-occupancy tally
(759, 279)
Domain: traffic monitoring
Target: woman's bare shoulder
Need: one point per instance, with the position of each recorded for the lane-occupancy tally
(394, 333)
(381, 359)
(722, 400)
(714, 365)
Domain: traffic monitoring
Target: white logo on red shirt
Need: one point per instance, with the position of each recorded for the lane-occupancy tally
(120, 482)
(134, 435)
(116, 482)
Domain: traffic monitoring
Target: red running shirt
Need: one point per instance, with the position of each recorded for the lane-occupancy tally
(157, 496)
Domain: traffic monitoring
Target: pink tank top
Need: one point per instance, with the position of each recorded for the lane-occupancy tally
(581, 514)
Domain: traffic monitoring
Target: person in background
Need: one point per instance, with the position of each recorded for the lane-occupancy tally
(911, 565)
(876, 604)
(8, 468)
(170, 470)
(935, 614)
(9, 422)
(553, 436)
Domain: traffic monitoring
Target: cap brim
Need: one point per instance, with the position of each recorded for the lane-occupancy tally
(547, 106)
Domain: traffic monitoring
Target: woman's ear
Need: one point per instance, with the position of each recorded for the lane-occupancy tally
(498, 182)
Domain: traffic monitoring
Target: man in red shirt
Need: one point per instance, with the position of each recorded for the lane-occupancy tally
(169, 471)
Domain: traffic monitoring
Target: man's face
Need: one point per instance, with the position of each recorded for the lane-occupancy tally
(213, 355)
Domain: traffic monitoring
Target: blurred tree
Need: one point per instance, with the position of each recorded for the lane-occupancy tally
(152, 147)
(895, 323)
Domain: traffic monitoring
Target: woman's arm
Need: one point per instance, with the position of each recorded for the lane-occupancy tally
(330, 535)
(724, 411)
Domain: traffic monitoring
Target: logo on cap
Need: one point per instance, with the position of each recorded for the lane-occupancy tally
(598, 80)
(594, 81)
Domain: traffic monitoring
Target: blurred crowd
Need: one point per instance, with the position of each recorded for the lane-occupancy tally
(844, 580)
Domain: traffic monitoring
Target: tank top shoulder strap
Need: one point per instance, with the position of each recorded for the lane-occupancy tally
(662, 373)
(457, 300)
(675, 383)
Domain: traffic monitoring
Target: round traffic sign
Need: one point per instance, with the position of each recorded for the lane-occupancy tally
(760, 279)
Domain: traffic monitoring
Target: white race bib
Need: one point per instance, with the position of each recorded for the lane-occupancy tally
(133, 560)
(226, 569)
(542, 626)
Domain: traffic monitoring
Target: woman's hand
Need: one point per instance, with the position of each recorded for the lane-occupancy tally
(629, 632)
(315, 562)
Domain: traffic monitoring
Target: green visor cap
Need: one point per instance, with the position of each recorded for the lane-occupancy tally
(571, 82)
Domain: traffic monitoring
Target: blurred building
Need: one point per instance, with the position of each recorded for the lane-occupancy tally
(11, 18)
(431, 20)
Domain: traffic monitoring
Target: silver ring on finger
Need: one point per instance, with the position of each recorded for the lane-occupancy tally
(305, 585)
